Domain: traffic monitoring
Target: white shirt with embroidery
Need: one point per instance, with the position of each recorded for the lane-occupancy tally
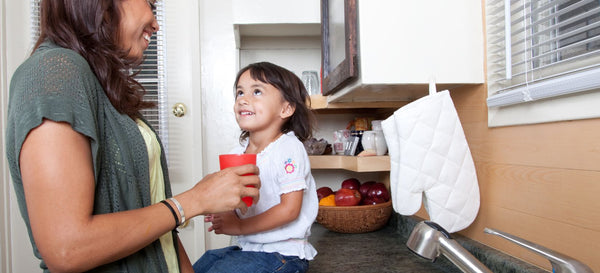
(284, 167)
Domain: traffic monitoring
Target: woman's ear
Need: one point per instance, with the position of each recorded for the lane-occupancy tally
(287, 111)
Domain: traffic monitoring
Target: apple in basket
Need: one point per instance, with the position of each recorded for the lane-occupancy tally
(378, 193)
(347, 197)
(324, 192)
(351, 183)
(365, 187)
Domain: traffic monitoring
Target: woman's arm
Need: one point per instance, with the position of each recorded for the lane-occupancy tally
(279, 215)
(58, 180)
(185, 265)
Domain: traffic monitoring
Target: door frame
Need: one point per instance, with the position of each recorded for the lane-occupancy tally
(16, 252)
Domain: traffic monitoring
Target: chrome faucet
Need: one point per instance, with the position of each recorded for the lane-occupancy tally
(429, 240)
(560, 263)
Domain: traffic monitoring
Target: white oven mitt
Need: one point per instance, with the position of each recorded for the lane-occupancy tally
(430, 156)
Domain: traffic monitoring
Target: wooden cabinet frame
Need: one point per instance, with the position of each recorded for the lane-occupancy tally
(334, 78)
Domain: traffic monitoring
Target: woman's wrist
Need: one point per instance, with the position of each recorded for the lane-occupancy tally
(188, 203)
(180, 210)
(170, 207)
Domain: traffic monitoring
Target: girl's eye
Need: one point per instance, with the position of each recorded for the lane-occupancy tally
(239, 93)
(257, 92)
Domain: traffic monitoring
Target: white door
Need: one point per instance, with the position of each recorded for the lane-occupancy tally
(183, 86)
(184, 133)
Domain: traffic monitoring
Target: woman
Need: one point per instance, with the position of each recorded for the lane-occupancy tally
(89, 173)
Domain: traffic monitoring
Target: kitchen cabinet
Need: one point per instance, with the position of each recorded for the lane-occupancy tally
(398, 47)
(290, 35)
(286, 33)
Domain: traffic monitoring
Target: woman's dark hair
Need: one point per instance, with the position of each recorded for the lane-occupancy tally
(91, 28)
(292, 90)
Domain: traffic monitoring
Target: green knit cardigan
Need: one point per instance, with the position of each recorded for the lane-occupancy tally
(57, 84)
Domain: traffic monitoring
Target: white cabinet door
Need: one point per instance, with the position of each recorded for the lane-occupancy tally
(405, 45)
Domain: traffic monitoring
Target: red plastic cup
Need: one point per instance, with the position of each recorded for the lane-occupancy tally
(232, 160)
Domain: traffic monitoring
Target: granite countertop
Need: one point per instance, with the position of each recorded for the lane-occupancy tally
(385, 250)
(379, 251)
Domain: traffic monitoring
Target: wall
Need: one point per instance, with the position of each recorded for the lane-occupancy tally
(4, 188)
(538, 182)
(16, 250)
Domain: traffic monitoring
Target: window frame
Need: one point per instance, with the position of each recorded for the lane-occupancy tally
(564, 96)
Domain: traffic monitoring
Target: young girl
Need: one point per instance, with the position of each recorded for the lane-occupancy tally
(270, 108)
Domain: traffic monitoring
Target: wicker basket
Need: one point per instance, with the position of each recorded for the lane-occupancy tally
(354, 219)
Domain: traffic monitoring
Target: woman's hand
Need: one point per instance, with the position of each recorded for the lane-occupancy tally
(221, 191)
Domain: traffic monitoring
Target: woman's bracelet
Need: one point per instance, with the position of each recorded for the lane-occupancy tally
(177, 223)
(179, 208)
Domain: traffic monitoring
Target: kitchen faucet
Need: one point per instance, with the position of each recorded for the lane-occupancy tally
(560, 263)
(429, 240)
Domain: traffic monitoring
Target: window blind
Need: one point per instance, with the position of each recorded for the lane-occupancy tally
(152, 74)
(539, 49)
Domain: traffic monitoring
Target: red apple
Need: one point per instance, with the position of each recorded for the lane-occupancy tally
(364, 188)
(367, 201)
(371, 201)
(378, 190)
(351, 183)
(347, 197)
(324, 192)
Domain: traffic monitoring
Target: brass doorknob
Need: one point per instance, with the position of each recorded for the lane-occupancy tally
(179, 110)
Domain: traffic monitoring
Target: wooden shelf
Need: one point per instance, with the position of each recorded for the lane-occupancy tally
(320, 102)
(351, 163)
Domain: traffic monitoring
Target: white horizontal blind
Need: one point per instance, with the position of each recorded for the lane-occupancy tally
(541, 48)
(153, 77)
(152, 71)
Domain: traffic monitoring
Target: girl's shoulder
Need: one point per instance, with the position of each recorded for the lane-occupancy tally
(289, 139)
(289, 143)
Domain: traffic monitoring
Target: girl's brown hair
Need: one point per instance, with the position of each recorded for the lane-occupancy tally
(91, 28)
(292, 90)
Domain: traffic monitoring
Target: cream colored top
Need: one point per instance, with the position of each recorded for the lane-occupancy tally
(157, 191)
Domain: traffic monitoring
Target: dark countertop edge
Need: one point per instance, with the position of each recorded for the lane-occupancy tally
(495, 260)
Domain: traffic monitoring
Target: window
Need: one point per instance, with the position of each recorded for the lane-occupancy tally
(152, 74)
(153, 77)
(541, 49)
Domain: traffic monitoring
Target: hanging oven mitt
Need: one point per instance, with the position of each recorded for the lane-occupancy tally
(430, 157)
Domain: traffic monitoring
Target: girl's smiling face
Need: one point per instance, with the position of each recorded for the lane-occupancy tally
(259, 106)
(137, 26)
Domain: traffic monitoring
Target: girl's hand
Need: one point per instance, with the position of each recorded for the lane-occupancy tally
(283, 213)
(225, 223)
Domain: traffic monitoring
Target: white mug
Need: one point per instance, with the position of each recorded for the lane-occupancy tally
(368, 142)
(380, 144)
(374, 142)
